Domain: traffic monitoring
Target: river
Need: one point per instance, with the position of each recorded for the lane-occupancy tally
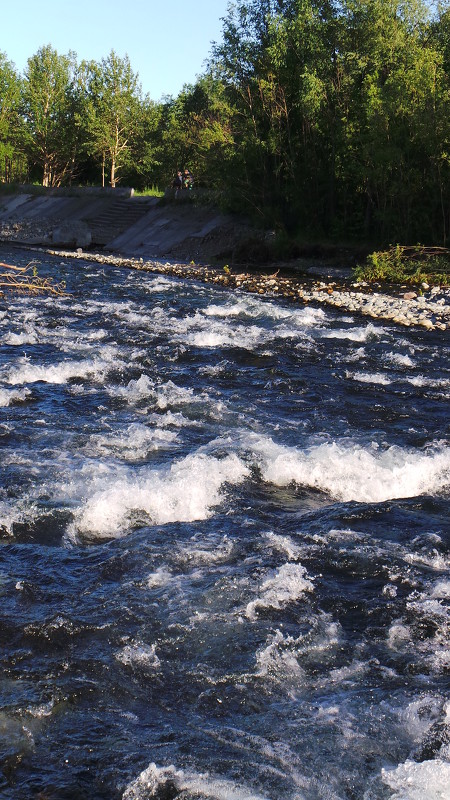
(224, 546)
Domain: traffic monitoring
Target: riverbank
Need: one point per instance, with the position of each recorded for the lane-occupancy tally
(185, 240)
(429, 310)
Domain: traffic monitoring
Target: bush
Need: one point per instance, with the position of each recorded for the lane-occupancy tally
(411, 265)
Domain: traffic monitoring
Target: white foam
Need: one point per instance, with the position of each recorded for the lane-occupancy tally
(136, 390)
(158, 283)
(41, 710)
(12, 512)
(441, 590)
(138, 654)
(186, 492)
(246, 306)
(162, 395)
(9, 396)
(433, 560)
(234, 308)
(432, 383)
(134, 442)
(363, 334)
(219, 334)
(355, 355)
(152, 781)
(284, 586)
(283, 657)
(96, 368)
(169, 394)
(426, 610)
(160, 578)
(221, 326)
(419, 715)
(16, 339)
(366, 377)
(399, 360)
(214, 369)
(348, 471)
(208, 552)
(129, 313)
(283, 544)
(279, 659)
(428, 780)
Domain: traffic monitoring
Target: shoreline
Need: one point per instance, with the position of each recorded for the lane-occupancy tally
(429, 311)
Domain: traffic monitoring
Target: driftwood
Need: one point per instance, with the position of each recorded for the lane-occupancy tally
(25, 280)
(422, 253)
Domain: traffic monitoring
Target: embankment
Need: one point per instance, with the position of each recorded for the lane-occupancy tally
(185, 238)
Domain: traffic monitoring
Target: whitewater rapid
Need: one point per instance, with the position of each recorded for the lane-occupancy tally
(225, 567)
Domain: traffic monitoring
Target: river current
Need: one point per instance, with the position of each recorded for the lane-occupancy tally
(224, 547)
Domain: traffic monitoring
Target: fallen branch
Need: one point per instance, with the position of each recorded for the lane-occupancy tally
(30, 283)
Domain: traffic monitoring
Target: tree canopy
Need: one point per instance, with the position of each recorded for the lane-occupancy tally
(318, 117)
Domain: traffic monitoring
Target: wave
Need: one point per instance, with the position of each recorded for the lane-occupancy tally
(417, 781)
(133, 442)
(11, 396)
(363, 334)
(350, 472)
(285, 586)
(95, 368)
(169, 782)
(186, 492)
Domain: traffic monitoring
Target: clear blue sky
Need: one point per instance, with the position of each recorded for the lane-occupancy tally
(167, 41)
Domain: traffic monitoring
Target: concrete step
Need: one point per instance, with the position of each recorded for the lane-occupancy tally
(117, 217)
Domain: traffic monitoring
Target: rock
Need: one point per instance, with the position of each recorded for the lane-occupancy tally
(410, 296)
(72, 234)
(426, 323)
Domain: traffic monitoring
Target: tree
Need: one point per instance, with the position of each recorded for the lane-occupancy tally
(341, 112)
(195, 132)
(396, 119)
(114, 105)
(12, 163)
(49, 105)
(275, 60)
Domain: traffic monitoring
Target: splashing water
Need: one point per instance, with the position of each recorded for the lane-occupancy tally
(225, 549)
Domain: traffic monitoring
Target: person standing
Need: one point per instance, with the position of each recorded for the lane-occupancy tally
(188, 180)
(177, 183)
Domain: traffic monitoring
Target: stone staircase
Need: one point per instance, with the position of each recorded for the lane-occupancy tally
(116, 217)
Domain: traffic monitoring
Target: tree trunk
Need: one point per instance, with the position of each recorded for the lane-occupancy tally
(46, 174)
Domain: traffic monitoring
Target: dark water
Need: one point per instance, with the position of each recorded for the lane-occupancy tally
(224, 547)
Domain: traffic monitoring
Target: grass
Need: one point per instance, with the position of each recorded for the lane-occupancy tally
(150, 191)
(410, 265)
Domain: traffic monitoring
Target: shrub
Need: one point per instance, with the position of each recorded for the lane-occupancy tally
(412, 265)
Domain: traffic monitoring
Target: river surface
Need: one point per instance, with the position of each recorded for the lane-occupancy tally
(224, 547)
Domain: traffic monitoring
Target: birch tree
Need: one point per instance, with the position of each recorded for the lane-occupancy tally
(113, 112)
(49, 109)
(11, 128)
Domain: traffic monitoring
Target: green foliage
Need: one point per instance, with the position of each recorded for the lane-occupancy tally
(112, 109)
(49, 103)
(12, 162)
(411, 265)
(321, 120)
(343, 116)
(149, 191)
